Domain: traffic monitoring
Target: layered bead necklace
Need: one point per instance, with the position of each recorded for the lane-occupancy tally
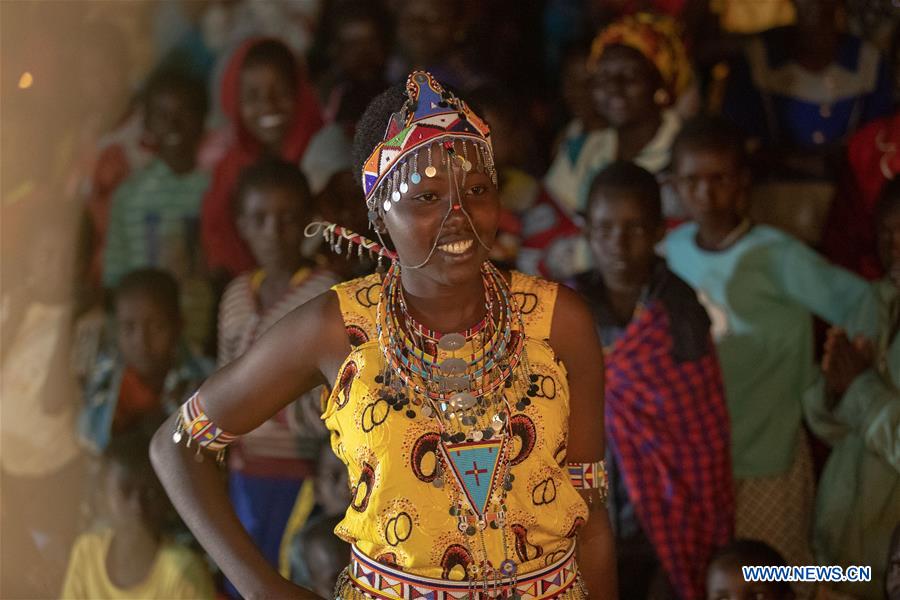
(461, 380)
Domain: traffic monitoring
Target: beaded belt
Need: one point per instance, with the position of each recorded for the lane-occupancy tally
(365, 578)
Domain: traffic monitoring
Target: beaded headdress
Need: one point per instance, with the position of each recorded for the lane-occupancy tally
(431, 115)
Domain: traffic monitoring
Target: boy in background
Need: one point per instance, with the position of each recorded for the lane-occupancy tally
(151, 371)
(155, 214)
(671, 497)
(267, 466)
(725, 578)
(132, 558)
(760, 287)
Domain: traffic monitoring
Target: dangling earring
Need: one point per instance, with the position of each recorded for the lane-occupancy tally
(377, 225)
(661, 97)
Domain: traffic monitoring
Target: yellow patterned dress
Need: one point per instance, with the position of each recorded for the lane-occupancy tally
(398, 517)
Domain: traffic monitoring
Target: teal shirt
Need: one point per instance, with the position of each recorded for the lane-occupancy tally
(760, 294)
(154, 222)
(858, 502)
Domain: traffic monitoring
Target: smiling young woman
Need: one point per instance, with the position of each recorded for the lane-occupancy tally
(466, 403)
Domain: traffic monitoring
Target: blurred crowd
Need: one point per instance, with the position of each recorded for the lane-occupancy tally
(718, 178)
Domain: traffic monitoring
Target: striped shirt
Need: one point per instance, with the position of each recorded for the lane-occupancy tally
(285, 445)
(154, 222)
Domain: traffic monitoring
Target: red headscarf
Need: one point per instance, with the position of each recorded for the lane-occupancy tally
(873, 155)
(224, 248)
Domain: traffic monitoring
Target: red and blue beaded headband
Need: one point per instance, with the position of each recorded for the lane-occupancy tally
(431, 115)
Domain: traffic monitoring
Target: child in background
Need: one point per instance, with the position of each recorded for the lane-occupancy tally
(725, 578)
(273, 112)
(855, 407)
(639, 67)
(132, 559)
(151, 371)
(800, 91)
(671, 497)
(760, 288)
(154, 220)
(324, 498)
(268, 465)
(326, 555)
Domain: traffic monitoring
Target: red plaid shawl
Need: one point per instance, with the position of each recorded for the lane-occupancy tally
(667, 424)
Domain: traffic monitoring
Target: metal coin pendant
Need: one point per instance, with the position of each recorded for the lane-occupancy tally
(430, 171)
(387, 205)
(404, 187)
(176, 437)
(395, 196)
(454, 365)
(462, 401)
(452, 342)
(415, 178)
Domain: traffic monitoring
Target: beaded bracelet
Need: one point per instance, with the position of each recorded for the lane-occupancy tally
(589, 476)
(195, 425)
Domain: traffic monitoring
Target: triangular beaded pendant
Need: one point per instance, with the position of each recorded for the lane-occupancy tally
(474, 467)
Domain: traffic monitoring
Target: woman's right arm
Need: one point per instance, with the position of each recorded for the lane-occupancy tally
(301, 351)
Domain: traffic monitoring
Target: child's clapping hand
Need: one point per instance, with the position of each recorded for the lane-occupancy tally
(844, 360)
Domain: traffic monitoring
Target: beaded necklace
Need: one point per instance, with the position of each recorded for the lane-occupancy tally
(467, 399)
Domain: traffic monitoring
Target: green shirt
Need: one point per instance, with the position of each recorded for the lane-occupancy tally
(154, 222)
(858, 503)
(760, 294)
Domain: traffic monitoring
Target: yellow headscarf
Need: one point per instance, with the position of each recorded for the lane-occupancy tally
(657, 38)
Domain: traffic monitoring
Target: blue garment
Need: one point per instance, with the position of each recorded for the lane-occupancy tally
(101, 393)
(760, 294)
(780, 102)
(263, 506)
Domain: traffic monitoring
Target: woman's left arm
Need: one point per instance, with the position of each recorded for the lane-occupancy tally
(574, 339)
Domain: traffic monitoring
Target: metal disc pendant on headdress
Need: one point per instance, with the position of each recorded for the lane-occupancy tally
(430, 171)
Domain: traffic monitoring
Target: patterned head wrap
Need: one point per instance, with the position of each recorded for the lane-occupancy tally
(429, 116)
(657, 38)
